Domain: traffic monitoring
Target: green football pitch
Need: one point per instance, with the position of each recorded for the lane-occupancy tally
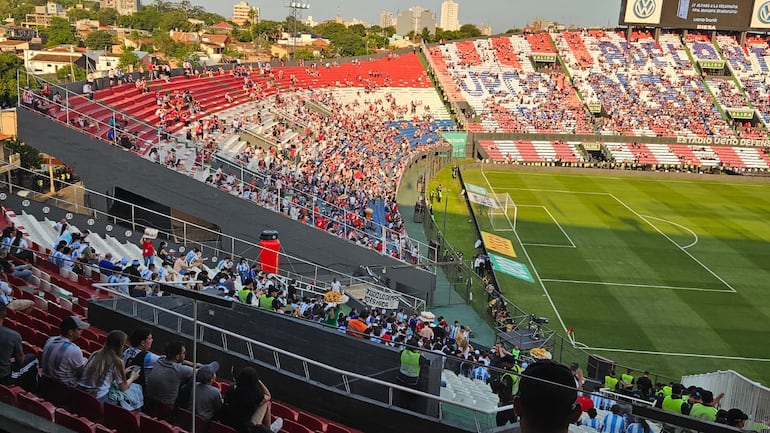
(666, 274)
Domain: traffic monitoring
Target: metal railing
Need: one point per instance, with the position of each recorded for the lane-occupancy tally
(288, 363)
(228, 246)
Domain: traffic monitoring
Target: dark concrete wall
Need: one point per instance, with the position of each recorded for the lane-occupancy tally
(103, 167)
(367, 407)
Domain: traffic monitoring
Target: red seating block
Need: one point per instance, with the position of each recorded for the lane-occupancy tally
(283, 411)
(8, 394)
(73, 422)
(184, 418)
(86, 405)
(217, 427)
(56, 392)
(151, 425)
(122, 420)
(35, 406)
(312, 422)
(336, 428)
(290, 426)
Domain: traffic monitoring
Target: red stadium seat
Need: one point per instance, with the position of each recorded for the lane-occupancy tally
(121, 420)
(86, 405)
(336, 428)
(285, 412)
(56, 392)
(157, 409)
(218, 427)
(8, 394)
(312, 422)
(184, 418)
(73, 422)
(35, 406)
(152, 425)
(290, 426)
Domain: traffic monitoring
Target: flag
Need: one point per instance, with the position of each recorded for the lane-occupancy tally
(570, 331)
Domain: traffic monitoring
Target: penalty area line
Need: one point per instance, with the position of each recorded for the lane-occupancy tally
(648, 286)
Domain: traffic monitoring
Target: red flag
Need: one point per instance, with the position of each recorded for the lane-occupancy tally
(570, 331)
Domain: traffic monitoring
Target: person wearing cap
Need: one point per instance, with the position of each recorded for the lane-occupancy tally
(506, 387)
(546, 399)
(208, 399)
(62, 359)
(269, 300)
(708, 407)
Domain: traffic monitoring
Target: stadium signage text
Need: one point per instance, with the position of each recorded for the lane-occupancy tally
(722, 141)
(380, 299)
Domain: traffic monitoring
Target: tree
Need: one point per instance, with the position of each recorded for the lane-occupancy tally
(358, 29)
(128, 59)
(9, 64)
(304, 54)
(30, 157)
(425, 34)
(99, 40)
(174, 20)
(67, 73)
(107, 16)
(60, 32)
(469, 31)
(79, 14)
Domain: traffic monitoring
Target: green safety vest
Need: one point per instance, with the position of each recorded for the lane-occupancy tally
(672, 404)
(627, 378)
(410, 363)
(709, 413)
(266, 302)
(515, 379)
(515, 352)
(243, 294)
(610, 382)
(667, 390)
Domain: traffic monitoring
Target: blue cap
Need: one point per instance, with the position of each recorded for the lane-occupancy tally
(136, 263)
(124, 261)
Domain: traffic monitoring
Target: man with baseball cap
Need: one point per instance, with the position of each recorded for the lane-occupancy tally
(208, 399)
(506, 387)
(546, 402)
(62, 359)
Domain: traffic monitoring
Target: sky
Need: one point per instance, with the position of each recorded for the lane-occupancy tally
(500, 14)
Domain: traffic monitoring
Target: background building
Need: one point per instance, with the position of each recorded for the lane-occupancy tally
(124, 7)
(242, 13)
(485, 30)
(386, 19)
(414, 20)
(450, 16)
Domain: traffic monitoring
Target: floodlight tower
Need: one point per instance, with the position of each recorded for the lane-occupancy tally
(296, 8)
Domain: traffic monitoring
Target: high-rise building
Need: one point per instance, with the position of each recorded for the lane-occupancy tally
(386, 19)
(450, 16)
(486, 30)
(124, 7)
(242, 13)
(414, 20)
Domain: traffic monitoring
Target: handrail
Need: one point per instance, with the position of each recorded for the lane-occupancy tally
(414, 302)
(251, 343)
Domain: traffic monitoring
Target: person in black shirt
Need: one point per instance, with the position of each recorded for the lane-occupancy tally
(644, 386)
(247, 405)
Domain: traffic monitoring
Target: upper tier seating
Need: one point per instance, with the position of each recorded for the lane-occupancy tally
(645, 87)
(508, 95)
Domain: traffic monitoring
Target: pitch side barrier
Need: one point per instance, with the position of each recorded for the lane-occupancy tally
(588, 138)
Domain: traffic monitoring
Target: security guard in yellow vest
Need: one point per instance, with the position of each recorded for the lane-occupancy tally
(409, 371)
(507, 388)
(610, 381)
(266, 300)
(672, 403)
(707, 408)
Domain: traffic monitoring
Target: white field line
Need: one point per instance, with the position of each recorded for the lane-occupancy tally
(649, 286)
(571, 245)
(695, 235)
(677, 245)
(536, 274)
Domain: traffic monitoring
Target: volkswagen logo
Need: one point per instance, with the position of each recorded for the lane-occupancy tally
(763, 14)
(644, 9)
